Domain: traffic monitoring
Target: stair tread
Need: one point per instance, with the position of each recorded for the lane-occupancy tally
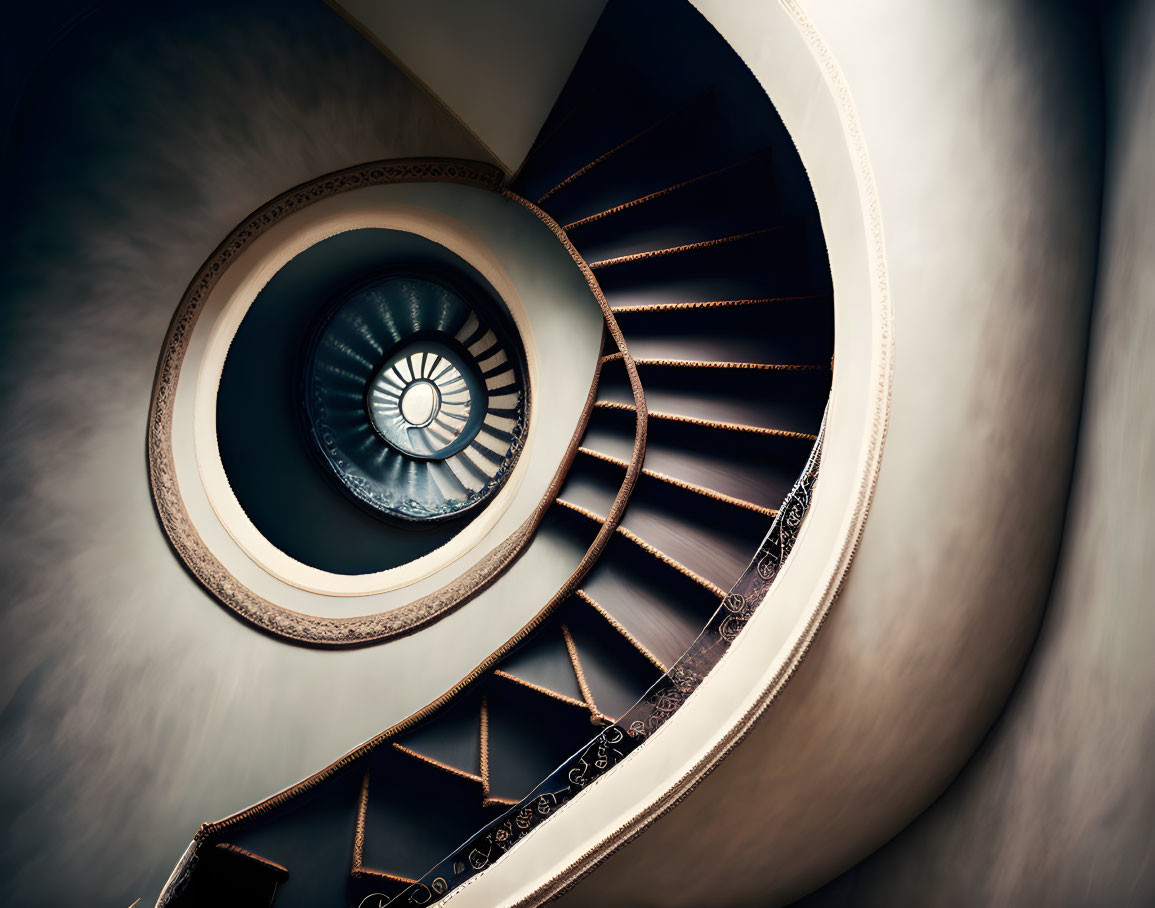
(581, 597)
(589, 487)
(780, 334)
(691, 486)
(627, 310)
(314, 831)
(772, 263)
(708, 537)
(402, 787)
(617, 674)
(719, 203)
(658, 555)
(716, 551)
(719, 188)
(654, 131)
(518, 760)
(587, 128)
(753, 468)
(664, 611)
(789, 402)
(725, 241)
(545, 662)
(452, 737)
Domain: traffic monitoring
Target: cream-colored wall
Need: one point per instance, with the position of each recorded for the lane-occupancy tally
(146, 137)
(976, 123)
(497, 66)
(1057, 808)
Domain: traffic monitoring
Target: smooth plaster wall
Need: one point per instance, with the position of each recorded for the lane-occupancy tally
(974, 117)
(145, 135)
(1057, 808)
(498, 66)
(982, 133)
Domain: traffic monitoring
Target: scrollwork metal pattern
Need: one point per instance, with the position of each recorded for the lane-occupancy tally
(614, 743)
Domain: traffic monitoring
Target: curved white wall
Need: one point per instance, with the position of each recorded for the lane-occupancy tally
(498, 67)
(1058, 807)
(975, 124)
(975, 119)
(145, 138)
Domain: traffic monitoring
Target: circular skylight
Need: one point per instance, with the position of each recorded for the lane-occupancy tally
(415, 396)
(425, 402)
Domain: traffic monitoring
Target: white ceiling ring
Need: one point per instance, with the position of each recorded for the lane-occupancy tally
(652, 779)
(455, 216)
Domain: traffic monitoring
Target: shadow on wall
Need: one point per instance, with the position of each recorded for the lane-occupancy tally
(1057, 807)
(143, 136)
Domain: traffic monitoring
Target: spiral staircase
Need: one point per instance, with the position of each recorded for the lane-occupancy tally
(707, 255)
(537, 646)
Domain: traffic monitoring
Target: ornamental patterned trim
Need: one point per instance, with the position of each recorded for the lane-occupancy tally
(617, 741)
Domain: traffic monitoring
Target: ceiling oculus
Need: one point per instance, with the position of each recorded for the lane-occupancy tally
(415, 395)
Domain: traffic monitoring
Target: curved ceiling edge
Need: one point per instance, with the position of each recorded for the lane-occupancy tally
(174, 517)
(433, 225)
(613, 519)
(639, 792)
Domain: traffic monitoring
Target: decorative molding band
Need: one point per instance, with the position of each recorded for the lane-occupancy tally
(621, 737)
(187, 542)
(210, 831)
(715, 304)
(882, 377)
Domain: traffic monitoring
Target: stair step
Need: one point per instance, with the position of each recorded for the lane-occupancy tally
(403, 787)
(724, 202)
(756, 468)
(616, 673)
(649, 548)
(529, 737)
(707, 184)
(708, 358)
(780, 334)
(662, 609)
(701, 533)
(310, 837)
(706, 536)
(712, 424)
(771, 263)
(578, 702)
(590, 486)
(663, 159)
(233, 878)
(451, 737)
(581, 596)
(785, 403)
(692, 487)
(658, 130)
(582, 126)
(663, 252)
(660, 63)
(544, 661)
(627, 309)
(444, 767)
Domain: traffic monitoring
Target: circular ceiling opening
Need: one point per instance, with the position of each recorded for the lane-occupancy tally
(373, 400)
(419, 404)
(411, 398)
(424, 399)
